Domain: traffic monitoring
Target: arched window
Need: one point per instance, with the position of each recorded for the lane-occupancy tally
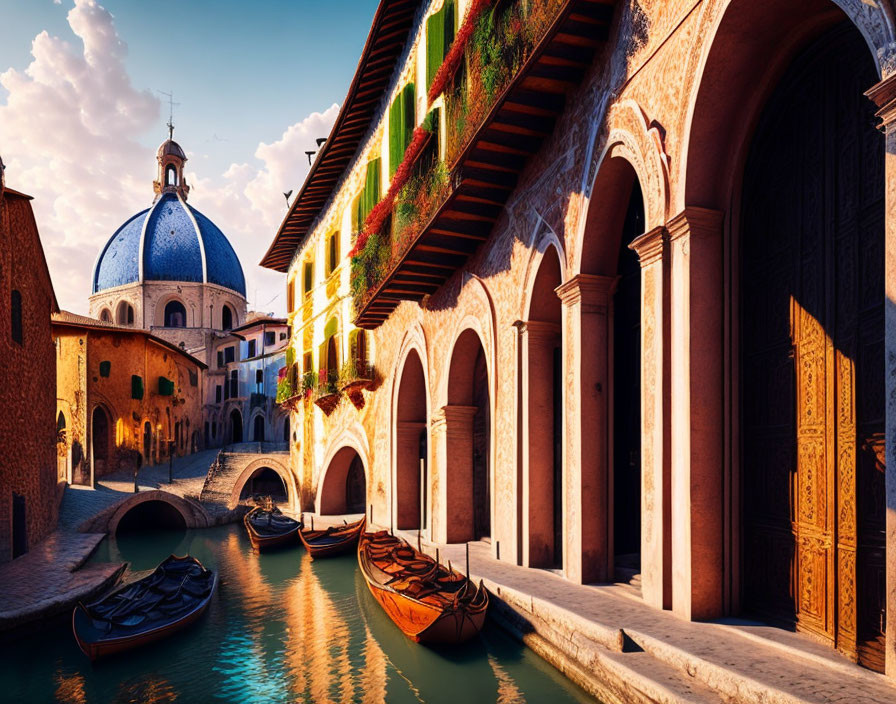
(226, 318)
(125, 313)
(60, 427)
(106, 315)
(175, 315)
(16, 330)
(170, 175)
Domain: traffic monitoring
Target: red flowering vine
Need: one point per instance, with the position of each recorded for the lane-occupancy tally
(456, 53)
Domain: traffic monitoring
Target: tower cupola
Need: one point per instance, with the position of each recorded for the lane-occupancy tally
(171, 160)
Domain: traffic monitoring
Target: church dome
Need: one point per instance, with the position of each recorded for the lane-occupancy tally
(171, 241)
(171, 148)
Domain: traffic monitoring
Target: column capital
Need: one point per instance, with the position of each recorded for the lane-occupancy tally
(649, 246)
(883, 95)
(587, 289)
(538, 330)
(695, 222)
(446, 415)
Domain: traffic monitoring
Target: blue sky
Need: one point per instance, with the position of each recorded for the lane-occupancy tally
(243, 73)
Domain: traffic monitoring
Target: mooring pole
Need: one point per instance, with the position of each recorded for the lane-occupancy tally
(312, 521)
(437, 555)
(371, 513)
(170, 458)
(422, 505)
(468, 560)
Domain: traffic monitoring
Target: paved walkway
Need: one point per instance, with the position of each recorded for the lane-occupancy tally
(608, 632)
(49, 579)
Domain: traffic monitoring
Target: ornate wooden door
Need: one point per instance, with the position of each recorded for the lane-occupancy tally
(812, 352)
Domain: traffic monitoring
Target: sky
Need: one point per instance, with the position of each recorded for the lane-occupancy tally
(81, 115)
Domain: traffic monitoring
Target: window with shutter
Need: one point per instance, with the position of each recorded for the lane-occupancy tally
(308, 278)
(218, 392)
(220, 358)
(105, 368)
(439, 35)
(137, 387)
(229, 354)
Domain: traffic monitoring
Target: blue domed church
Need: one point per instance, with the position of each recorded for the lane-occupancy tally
(170, 269)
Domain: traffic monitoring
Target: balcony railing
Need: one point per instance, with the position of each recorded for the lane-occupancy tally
(502, 97)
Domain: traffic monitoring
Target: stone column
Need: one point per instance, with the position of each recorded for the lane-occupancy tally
(884, 96)
(588, 486)
(407, 474)
(695, 237)
(538, 341)
(452, 480)
(656, 489)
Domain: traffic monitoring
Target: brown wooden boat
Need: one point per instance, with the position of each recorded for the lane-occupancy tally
(427, 601)
(172, 597)
(268, 528)
(335, 540)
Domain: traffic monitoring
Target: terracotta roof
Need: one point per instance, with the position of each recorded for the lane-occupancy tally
(70, 319)
(389, 32)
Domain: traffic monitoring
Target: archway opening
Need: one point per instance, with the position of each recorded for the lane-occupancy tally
(258, 429)
(411, 483)
(344, 484)
(811, 324)
(266, 482)
(106, 315)
(468, 414)
(147, 443)
(101, 441)
(543, 464)
(627, 396)
(226, 318)
(151, 515)
(175, 315)
(124, 313)
(236, 426)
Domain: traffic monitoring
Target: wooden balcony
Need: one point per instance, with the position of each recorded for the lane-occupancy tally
(486, 170)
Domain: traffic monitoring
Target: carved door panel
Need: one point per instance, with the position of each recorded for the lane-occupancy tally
(812, 392)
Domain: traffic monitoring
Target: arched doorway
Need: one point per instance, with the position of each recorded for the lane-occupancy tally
(147, 443)
(811, 367)
(101, 441)
(266, 482)
(236, 426)
(411, 447)
(543, 458)
(258, 429)
(468, 473)
(343, 487)
(627, 396)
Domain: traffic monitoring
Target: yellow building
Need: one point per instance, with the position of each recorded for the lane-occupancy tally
(122, 396)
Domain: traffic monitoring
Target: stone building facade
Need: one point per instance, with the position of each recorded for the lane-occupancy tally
(243, 378)
(125, 398)
(666, 348)
(29, 485)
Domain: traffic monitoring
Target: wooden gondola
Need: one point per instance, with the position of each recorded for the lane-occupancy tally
(172, 597)
(268, 528)
(427, 601)
(335, 540)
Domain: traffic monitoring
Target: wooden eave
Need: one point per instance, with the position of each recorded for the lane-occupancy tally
(486, 172)
(388, 35)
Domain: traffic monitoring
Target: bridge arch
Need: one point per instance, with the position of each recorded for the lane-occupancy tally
(193, 514)
(255, 467)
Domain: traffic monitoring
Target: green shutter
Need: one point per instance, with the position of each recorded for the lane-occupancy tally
(105, 368)
(137, 387)
(450, 10)
(290, 355)
(166, 387)
(409, 96)
(435, 44)
(396, 133)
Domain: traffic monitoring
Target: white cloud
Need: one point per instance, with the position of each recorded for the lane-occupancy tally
(69, 134)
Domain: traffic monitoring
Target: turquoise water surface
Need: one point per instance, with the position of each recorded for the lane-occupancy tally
(282, 628)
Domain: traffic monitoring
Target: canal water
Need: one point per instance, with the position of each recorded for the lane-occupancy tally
(282, 628)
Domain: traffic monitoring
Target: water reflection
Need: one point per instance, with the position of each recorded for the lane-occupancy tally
(281, 629)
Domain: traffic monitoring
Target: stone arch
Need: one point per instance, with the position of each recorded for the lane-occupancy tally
(228, 317)
(333, 486)
(410, 413)
(193, 514)
(105, 314)
(634, 148)
(749, 44)
(289, 480)
(540, 485)
(163, 303)
(124, 313)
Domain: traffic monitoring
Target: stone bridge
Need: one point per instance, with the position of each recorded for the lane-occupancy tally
(235, 465)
